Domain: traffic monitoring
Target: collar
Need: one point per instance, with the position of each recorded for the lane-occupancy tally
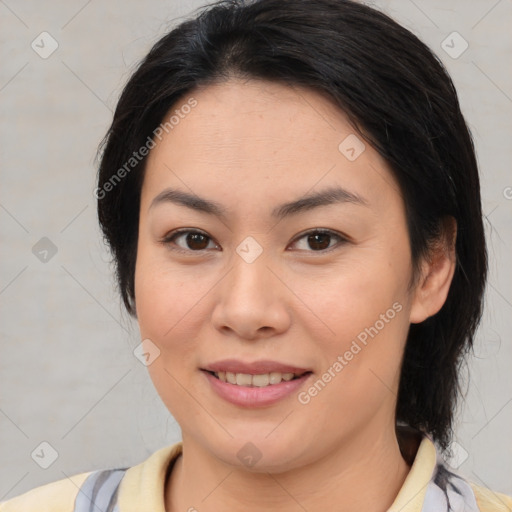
(426, 488)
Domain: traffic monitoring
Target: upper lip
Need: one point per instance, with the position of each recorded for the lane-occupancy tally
(253, 368)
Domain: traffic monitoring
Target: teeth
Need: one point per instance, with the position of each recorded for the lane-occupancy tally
(260, 381)
(243, 379)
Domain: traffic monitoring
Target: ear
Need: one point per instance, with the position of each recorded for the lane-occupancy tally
(436, 275)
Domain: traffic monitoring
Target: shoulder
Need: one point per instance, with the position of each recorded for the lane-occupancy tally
(490, 501)
(432, 485)
(462, 493)
(56, 496)
(140, 487)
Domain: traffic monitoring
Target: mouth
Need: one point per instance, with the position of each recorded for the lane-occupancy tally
(260, 380)
(260, 383)
(259, 388)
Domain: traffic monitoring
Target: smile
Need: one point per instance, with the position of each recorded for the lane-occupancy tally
(258, 390)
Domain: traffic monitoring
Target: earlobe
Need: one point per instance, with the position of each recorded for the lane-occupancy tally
(437, 274)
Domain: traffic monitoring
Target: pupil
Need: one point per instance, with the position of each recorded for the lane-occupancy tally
(313, 240)
(192, 238)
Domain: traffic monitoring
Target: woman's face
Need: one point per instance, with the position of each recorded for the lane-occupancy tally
(256, 282)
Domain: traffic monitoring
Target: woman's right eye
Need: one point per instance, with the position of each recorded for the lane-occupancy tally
(192, 240)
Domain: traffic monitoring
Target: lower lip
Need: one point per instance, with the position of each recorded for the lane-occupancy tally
(246, 396)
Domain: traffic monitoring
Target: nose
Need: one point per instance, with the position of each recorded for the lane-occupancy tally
(252, 301)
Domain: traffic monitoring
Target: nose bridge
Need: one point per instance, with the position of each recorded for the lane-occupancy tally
(250, 275)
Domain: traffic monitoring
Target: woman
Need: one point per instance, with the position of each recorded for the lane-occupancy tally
(291, 196)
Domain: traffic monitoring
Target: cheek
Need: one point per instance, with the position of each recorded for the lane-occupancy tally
(360, 326)
(172, 311)
(167, 306)
(348, 299)
(360, 371)
(165, 298)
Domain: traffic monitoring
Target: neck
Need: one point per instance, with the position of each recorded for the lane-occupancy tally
(354, 476)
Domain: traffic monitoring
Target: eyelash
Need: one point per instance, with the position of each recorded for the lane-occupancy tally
(175, 234)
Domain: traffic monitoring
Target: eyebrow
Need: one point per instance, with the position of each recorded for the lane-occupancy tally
(332, 195)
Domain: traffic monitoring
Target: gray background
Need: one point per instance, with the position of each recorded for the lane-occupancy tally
(67, 373)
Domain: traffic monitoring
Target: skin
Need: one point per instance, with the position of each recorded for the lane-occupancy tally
(253, 145)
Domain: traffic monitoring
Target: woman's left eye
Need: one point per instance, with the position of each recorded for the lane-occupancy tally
(320, 239)
(196, 241)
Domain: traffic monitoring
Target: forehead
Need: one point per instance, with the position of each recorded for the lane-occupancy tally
(250, 115)
(259, 138)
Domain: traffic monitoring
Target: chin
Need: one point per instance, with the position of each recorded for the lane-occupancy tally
(259, 454)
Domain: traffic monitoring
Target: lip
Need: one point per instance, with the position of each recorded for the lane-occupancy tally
(253, 368)
(245, 396)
